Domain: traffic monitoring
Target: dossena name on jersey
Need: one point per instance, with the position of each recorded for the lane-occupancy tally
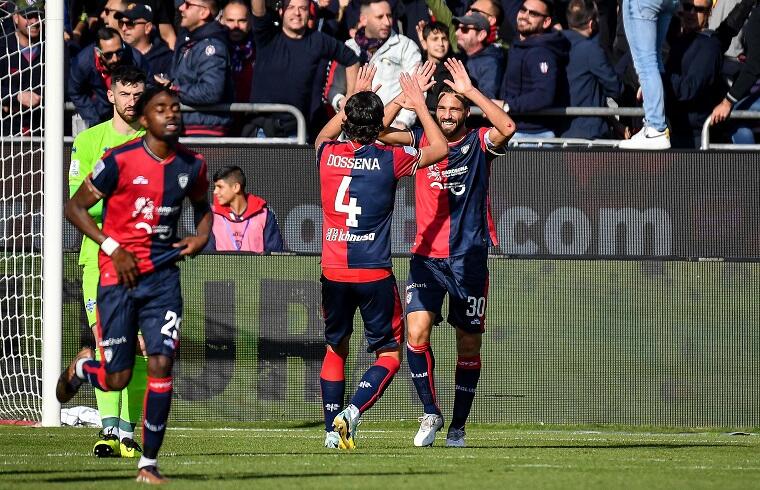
(351, 162)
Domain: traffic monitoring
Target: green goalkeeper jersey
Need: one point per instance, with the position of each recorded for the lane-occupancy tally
(89, 146)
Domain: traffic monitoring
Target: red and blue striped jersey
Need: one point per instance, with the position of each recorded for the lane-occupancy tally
(452, 204)
(142, 201)
(358, 190)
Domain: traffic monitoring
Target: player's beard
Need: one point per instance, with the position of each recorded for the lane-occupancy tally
(449, 131)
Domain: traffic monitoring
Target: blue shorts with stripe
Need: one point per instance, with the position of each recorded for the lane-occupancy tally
(463, 277)
(378, 303)
(154, 307)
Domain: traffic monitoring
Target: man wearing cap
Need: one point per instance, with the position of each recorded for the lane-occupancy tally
(201, 68)
(21, 89)
(136, 25)
(90, 77)
(485, 62)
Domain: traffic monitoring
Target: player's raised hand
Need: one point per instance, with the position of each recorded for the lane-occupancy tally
(125, 264)
(364, 79)
(424, 75)
(412, 99)
(191, 245)
(461, 82)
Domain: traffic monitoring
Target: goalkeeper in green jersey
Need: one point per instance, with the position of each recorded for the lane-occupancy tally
(119, 410)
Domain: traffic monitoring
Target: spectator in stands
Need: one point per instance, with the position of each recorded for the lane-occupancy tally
(693, 82)
(739, 97)
(136, 25)
(164, 13)
(590, 76)
(201, 69)
(535, 78)
(406, 14)
(108, 14)
(236, 17)
(90, 77)
(242, 222)
(646, 24)
(720, 11)
(485, 62)
(287, 61)
(436, 49)
(445, 11)
(21, 86)
(391, 53)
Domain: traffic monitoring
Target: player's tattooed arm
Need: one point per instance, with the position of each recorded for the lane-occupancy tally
(75, 211)
(503, 125)
(193, 244)
(438, 147)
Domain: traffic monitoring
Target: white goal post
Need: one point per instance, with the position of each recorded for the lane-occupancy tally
(31, 215)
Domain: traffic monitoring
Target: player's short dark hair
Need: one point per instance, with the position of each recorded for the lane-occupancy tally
(106, 34)
(579, 12)
(435, 26)
(445, 89)
(231, 174)
(150, 92)
(128, 75)
(364, 117)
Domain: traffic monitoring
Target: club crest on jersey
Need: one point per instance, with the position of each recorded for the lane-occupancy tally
(544, 67)
(465, 149)
(182, 180)
(408, 297)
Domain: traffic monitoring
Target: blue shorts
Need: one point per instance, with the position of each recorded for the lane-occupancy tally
(154, 307)
(377, 301)
(463, 277)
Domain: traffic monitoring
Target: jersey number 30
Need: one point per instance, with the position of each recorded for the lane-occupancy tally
(351, 208)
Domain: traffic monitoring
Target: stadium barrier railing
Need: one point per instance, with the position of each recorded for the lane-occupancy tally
(299, 139)
(706, 145)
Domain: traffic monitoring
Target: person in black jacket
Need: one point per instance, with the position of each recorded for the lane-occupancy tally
(535, 77)
(484, 61)
(136, 25)
(201, 69)
(90, 76)
(739, 95)
(590, 76)
(21, 84)
(693, 81)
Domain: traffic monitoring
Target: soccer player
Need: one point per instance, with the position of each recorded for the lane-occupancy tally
(127, 84)
(358, 186)
(450, 251)
(142, 184)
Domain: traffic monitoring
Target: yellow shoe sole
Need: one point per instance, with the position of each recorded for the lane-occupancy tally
(341, 428)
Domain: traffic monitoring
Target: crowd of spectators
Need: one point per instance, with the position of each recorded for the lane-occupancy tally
(683, 61)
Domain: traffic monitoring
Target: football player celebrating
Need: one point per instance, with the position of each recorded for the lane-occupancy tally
(450, 251)
(142, 184)
(358, 185)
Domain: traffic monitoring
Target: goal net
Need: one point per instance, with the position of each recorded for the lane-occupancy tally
(21, 210)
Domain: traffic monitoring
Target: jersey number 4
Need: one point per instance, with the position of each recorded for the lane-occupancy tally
(351, 209)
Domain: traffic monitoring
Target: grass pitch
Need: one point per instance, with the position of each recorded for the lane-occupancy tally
(498, 456)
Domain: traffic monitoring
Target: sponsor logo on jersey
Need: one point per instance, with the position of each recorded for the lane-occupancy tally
(331, 407)
(144, 206)
(434, 173)
(140, 180)
(419, 375)
(163, 231)
(99, 166)
(338, 161)
(455, 188)
(167, 210)
(338, 235)
(453, 172)
(183, 178)
(110, 342)
(475, 322)
(365, 384)
(416, 285)
(74, 168)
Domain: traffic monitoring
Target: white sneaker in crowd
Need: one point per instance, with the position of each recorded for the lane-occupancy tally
(648, 139)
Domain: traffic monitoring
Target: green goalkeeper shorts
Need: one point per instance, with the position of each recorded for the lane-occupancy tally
(90, 277)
